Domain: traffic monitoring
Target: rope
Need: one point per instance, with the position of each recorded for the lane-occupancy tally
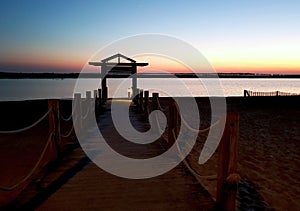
(160, 108)
(202, 130)
(70, 117)
(68, 134)
(4, 188)
(190, 168)
(28, 127)
(87, 113)
(197, 130)
(66, 119)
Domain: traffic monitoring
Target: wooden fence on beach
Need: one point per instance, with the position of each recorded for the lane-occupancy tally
(249, 93)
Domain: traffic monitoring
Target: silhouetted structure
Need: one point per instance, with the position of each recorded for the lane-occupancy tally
(123, 69)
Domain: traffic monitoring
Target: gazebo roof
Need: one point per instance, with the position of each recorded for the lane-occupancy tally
(118, 55)
(118, 67)
(131, 63)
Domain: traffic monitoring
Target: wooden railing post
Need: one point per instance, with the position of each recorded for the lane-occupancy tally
(104, 94)
(54, 123)
(96, 100)
(99, 97)
(155, 97)
(78, 111)
(172, 123)
(136, 96)
(146, 100)
(227, 170)
(141, 99)
(88, 95)
(95, 94)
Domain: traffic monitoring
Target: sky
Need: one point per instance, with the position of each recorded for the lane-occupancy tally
(235, 36)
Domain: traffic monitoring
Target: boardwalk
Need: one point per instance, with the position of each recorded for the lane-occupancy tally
(93, 188)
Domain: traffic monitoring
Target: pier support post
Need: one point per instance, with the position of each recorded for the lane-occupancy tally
(99, 103)
(172, 123)
(77, 111)
(104, 94)
(141, 99)
(227, 170)
(54, 124)
(155, 97)
(146, 100)
(96, 101)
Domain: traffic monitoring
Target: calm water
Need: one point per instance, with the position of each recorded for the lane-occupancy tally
(20, 89)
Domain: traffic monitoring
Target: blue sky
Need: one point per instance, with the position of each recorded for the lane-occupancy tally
(234, 35)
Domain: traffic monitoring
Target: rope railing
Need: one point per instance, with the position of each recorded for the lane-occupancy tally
(54, 128)
(66, 119)
(190, 168)
(28, 127)
(185, 161)
(54, 117)
(227, 178)
(31, 172)
(68, 134)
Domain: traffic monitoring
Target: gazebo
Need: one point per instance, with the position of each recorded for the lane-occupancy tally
(125, 69)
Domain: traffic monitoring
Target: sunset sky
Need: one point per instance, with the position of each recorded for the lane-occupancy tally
(235, 36)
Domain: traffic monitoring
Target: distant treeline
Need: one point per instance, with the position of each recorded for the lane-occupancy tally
(9, 75)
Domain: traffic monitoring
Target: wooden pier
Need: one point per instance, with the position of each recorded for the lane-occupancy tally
(93, 188)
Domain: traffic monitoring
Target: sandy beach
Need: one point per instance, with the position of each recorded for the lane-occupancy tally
(268, 158)
(268, 153)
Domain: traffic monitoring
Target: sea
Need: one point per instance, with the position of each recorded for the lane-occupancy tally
(28, 89)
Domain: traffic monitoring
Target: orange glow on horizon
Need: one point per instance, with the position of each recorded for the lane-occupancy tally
(158, 64)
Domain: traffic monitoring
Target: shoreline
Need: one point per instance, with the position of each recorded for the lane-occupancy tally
(13, 75)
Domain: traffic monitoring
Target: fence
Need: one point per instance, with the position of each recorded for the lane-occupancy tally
(248, 93)
(227, 176)
(57, 123)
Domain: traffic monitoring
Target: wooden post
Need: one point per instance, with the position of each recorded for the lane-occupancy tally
(155, 97)
(136, 97)
(99, 97)
(141, 99)
(95, 101)
(54, 124)
(172, 123)
(146, 100)
(104, 94)
(88, 95)
(78, 111)
(227, 170)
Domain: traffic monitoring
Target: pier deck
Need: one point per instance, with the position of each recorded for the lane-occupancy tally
(93, 188)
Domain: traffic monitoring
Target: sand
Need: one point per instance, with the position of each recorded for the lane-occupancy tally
(268, 153)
